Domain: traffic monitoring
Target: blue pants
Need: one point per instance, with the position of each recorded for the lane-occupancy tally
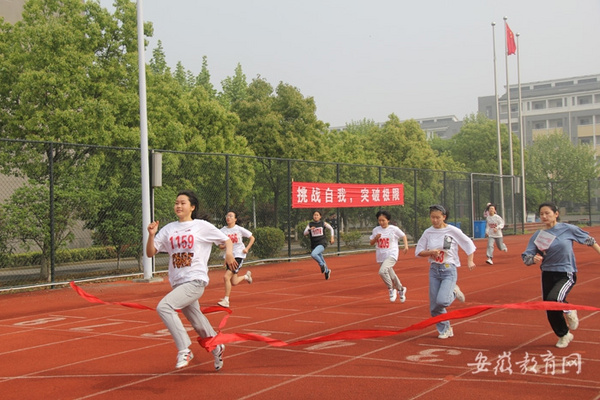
(442, 281)
(317, 254)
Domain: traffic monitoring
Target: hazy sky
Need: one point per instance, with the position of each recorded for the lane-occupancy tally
(371, 58)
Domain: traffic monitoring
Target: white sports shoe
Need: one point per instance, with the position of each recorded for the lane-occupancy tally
(183, 358)
(572, 319)
(564, 340)
(248, 277)
(460, 296)
(448, 333)
(223, 303)
(489, 261)
(218, 355)
(402, 294)
(505, 248)
(393, 295)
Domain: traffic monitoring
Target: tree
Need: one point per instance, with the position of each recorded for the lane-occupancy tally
(28, 213)
(184, 77)
(476, 146)
(70, 76)
(280, 125)
(203, 79)
(158, 63)
(234, 88)
(348, 147)
(558, 170)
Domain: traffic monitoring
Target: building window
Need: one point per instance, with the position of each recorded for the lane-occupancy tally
(584, 99)
(539, 125)
(585, 121)
(539, 105)
(597, 98)
(543, 86)
(514, 108)
(555, 103)
(585, 140)
(588, 80)
(555, 123)
(488, 112)
(567, 83)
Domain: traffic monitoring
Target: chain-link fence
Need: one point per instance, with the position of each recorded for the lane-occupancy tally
(74, 211)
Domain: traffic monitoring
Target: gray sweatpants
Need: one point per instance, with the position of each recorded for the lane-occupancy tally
(184, 297)
(388, 275)
(490, 245)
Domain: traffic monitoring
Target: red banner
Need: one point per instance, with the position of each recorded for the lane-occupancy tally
(336, 195)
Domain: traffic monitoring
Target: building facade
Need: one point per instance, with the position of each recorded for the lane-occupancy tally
(568, 105)
(11, 10)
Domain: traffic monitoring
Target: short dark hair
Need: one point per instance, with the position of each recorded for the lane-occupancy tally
(439, 207)
(233, 212)
(386, 214)
(548, 204)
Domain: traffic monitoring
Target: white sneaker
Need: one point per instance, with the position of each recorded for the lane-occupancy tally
(505, 248)
(402, 294)
(218, 355)
(446, 334)
(248, 277)
(183, 358)
(223, 303)
(564, 340)
(572, 319)
(460, 296)
(393, 295)
(489, 261)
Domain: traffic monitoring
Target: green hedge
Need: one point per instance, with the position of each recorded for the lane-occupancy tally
(269, 242)
(352, 239)
(64, 256)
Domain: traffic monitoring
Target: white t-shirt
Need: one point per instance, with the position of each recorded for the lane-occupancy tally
(494, 222)
(448, 239)
(189, 245)
(387, 244)
(236, 234)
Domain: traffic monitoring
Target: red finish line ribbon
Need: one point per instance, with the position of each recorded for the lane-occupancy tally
(93, 299)
(222, 338)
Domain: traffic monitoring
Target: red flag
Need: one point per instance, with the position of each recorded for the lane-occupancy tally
(511, 46)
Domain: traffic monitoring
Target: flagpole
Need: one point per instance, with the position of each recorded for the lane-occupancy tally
(498, 123)
(522, 131)
(510, 136)
(145, 162)
(512, 172)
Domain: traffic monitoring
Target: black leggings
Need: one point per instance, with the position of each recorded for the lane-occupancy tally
(555, 287)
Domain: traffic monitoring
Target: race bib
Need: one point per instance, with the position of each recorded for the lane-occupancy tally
(544, 240)
(316, 231)
(440, 258)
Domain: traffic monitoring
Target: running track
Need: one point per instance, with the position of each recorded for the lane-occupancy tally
(56, 345)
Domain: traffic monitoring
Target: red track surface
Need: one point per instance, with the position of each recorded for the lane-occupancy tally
(56, 345)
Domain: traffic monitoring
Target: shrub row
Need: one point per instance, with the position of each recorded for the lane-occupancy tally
(269, 242)
(64, 256)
